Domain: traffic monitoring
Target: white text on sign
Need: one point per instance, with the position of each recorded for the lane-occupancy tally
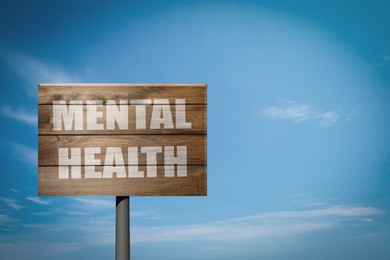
(114, 163)
(71, 117)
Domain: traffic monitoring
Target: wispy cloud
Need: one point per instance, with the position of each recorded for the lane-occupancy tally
(34, 249)
(8, 224)
(386, 57)
(5, 219)
(34, 70)
(311, 203)
(38, 200)
(11, 203)
(25, 153)
(327, 118)
(267, 226)
(85, 226)
(95, 203)
(297, 112)
(44, 213)
(88, 206)
(145, 214)
(20, 114)
(263, 225)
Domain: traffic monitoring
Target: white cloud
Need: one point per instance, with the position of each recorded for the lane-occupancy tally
(87, 206)
(38, 200)
(386, 57)
(5, 219)
(369, 220)
(95, 202)
(289, 110)
(333, 211)
(259, 226)
(45, 213)
(311, 203)
(25, 153)
(20, 114)
(268, 225)
(35, 249)
(263, 226)
(296, 112)
(11, 203)
(90, 229)
(328, 118)
(35, 71)
(150, 215)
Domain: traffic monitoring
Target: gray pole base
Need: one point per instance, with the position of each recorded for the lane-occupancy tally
(122, 229)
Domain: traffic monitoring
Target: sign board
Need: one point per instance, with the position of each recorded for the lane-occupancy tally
(122, 139)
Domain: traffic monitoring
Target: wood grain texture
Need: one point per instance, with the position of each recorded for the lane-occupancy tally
(48, 146)
(192, 93)
(194, 138)
(195, 184)
(196, 114)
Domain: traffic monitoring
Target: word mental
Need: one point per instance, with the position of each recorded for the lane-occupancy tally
(70, 116)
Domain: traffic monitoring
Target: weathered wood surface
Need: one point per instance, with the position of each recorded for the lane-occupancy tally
(196, 114)
(48, 146)
(194, 184)
(192, 93)
(194, 138)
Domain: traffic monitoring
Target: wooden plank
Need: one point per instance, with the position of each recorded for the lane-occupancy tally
(196, 114)
(48, 146)
(189, 143)
(195, 184)
(192, 93)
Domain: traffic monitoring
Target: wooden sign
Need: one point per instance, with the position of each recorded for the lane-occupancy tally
(122, 139)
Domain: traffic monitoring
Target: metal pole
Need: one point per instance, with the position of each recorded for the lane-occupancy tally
(122, 229)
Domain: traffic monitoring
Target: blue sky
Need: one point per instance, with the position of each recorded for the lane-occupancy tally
(298, 123)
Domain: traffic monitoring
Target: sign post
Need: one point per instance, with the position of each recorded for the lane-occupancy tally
(122, 229)
(122, 140)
